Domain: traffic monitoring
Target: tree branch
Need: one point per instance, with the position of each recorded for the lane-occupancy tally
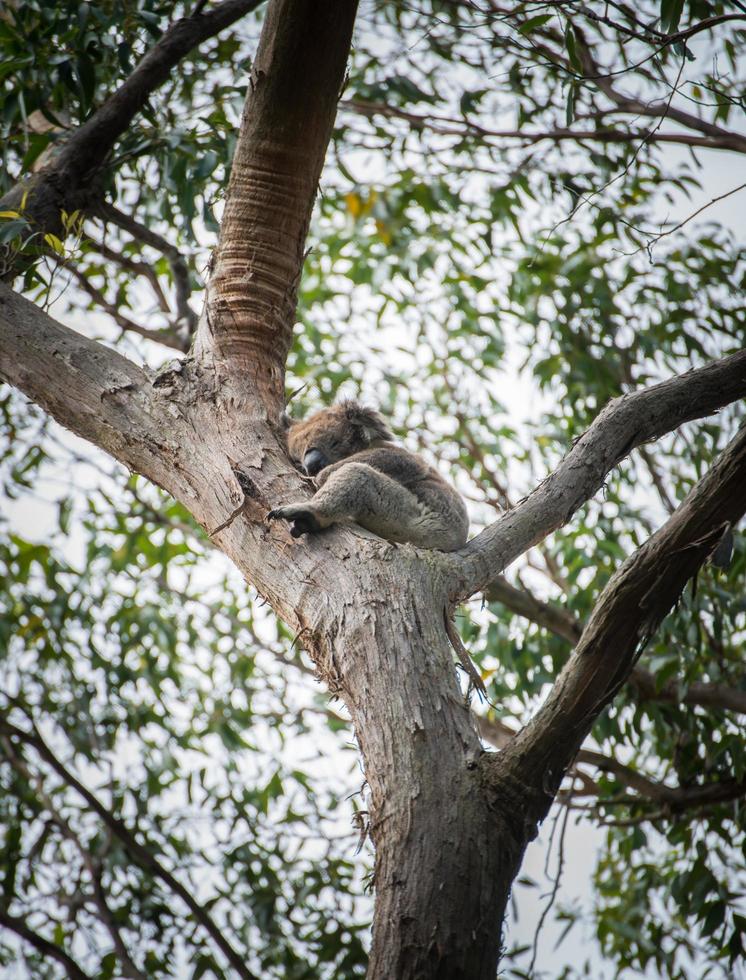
(47, 948)
(67, 183)
(675, 799)
(657, 479)
(167, 336)
(129, 968)
(625, 423)
(88, 388)
(136, 850)
(630, 609)
(563, 624)
(449, 126)
(698, 692)
(287, 121)
(179, 268)
(524, 603)
(679, 799)
(136, 267)
(657, 109)
(655, 236)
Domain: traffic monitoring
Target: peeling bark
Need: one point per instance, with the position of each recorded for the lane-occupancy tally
(449, 824)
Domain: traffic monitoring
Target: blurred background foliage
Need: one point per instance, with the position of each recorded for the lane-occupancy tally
(501, 244)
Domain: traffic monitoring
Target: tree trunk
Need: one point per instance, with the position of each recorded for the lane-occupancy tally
(441, 883)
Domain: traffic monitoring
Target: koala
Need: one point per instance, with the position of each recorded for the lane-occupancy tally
(363, 477)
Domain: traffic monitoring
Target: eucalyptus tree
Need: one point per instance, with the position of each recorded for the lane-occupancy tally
(494, 181)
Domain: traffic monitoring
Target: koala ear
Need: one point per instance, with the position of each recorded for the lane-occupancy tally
(286, 422)
(370, 422)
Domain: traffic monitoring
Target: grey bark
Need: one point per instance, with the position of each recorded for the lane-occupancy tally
(625, 423)
(562, 623)
(630, 609)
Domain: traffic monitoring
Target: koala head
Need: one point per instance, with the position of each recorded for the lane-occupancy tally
(333, 434)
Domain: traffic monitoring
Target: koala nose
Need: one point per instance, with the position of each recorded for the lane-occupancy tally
(314, 461)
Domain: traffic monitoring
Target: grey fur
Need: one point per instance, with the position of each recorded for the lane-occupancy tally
(368, 480)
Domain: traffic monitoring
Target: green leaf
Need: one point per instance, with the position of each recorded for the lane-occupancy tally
(54, 242)
(532, 23)
(571, 44)
(671, 11)
(570, 105)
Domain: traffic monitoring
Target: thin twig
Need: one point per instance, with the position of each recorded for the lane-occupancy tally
(555, 890)
(138, 268)
(167, 336)
(179, 268)
(655, 237)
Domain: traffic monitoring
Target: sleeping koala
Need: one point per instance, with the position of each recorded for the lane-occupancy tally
(363, 477)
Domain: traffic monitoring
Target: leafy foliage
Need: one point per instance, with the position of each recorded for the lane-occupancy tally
(153, 690)
(491, 284)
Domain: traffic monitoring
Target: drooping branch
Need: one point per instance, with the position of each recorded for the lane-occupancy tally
(626, 422)
(137, 851)
(630, 609)
(287, 121)
(67, 183)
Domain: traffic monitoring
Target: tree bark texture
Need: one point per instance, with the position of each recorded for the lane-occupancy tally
(296, 81)
(449, 823)
(630, 609)
(625, 423)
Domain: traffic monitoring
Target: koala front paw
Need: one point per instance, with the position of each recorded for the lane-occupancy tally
(301, 519)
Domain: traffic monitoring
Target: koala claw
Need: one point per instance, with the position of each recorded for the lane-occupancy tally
(301, 520)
